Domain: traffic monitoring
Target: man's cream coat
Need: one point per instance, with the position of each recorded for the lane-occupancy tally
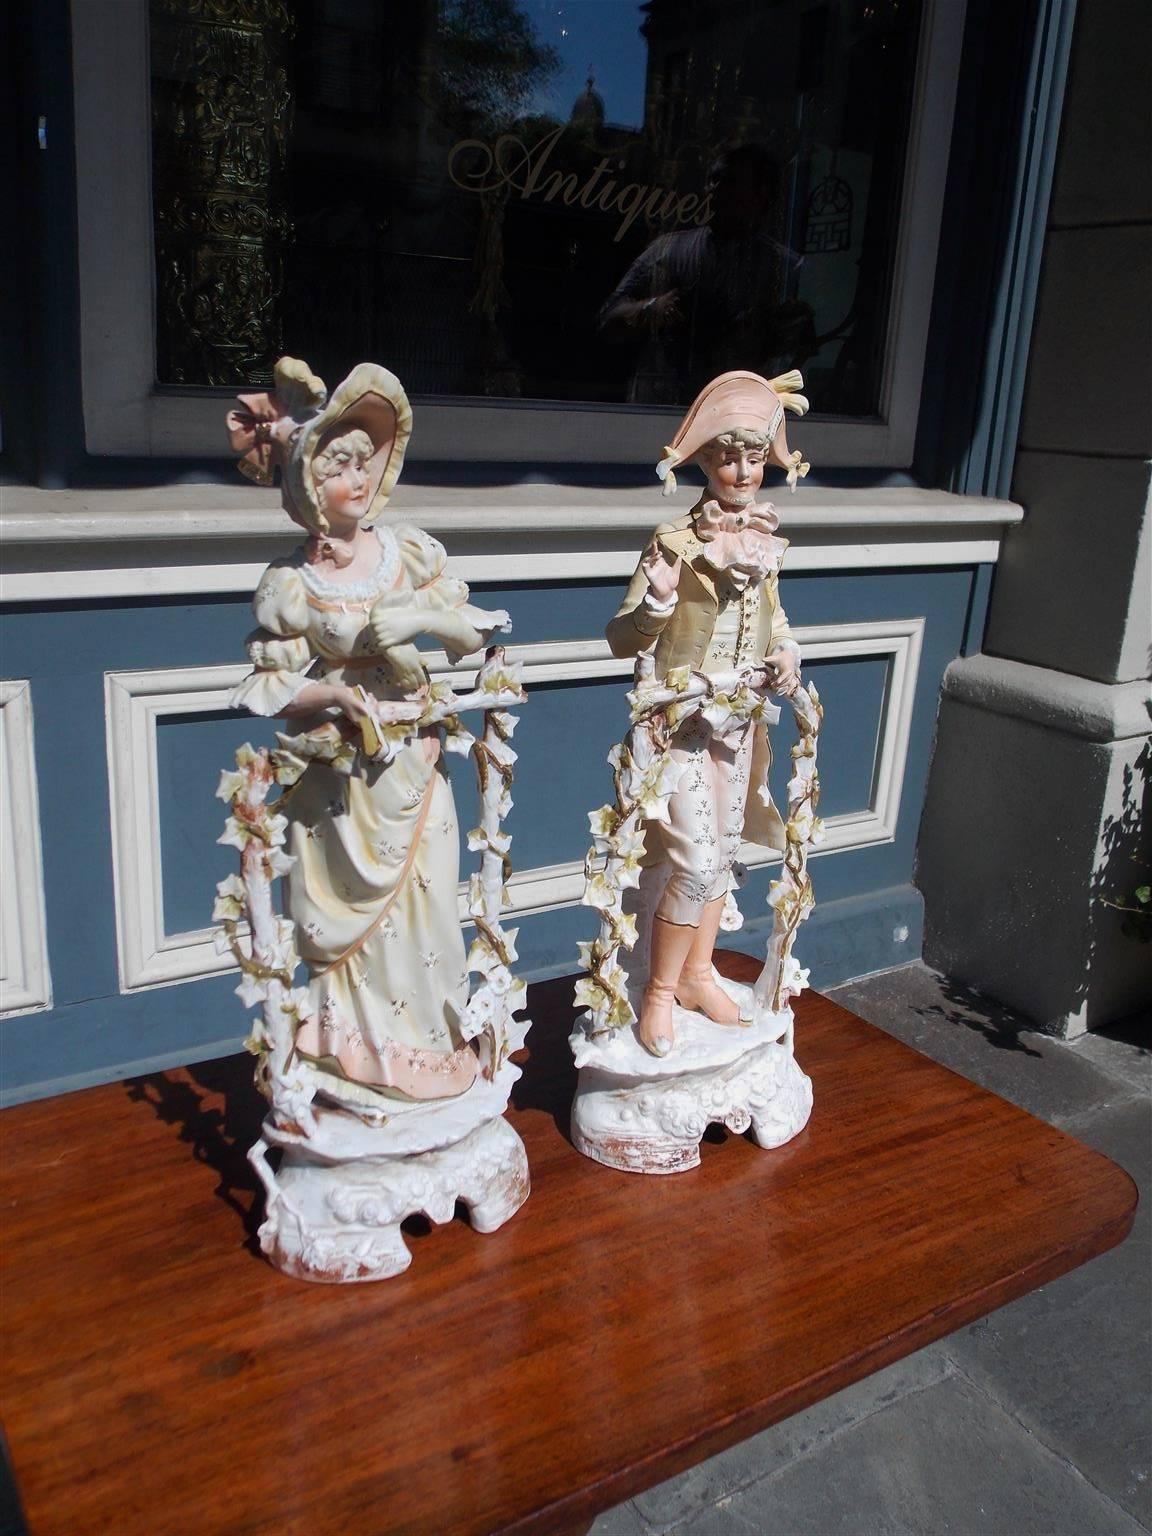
(681, 639)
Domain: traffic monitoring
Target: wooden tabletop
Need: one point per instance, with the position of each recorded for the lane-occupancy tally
(159, 1377)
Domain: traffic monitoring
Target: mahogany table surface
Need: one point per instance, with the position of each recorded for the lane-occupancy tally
(160, 1377)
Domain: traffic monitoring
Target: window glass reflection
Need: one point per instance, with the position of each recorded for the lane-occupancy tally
(590, 200)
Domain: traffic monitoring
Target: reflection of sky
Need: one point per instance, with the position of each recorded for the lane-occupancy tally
(601, 37)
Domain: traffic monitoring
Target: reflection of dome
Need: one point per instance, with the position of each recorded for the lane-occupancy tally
(588, 108)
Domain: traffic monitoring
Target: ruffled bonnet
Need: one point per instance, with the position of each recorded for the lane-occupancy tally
(286, 429)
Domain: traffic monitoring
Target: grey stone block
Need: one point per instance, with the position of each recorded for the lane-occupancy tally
(1089, 382)
(1073, 1360)
(1028, 832)
(1040, 575)
(988, 1043)
(945, 1460)
(801, 1435)
(1105, 129)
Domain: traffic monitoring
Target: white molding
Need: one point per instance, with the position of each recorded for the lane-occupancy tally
(148, 956)
(135, 702)
(599, 565)
(25, 979)
(123, 413)
(921, 210)
(516, 512)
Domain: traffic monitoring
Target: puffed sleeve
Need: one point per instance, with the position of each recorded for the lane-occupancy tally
(279, 650)
(425, 559)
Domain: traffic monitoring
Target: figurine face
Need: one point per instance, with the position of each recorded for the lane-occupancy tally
(345, 492)
(734, 474)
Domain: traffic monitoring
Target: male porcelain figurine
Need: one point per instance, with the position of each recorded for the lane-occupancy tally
(703, 616)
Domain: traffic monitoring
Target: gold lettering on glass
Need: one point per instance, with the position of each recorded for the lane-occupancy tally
(510, 165)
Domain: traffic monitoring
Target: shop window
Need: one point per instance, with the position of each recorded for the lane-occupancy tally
(573, 210)
(559, 200)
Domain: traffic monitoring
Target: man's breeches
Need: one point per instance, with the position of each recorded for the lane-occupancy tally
(706, 818)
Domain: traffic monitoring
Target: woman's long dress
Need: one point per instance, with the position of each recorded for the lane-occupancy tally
(373, 891)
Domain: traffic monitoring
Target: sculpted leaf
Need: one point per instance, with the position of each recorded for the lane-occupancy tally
(287, 767)
(626, 929)
(231, 783)
(601, 891)
(456, 738)
(235, 835)
(603, 823)
(279, 862)
(251, 990)
(230, 900)
(626, 872)
(588, 994)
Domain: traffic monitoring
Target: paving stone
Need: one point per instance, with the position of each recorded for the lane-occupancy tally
(983, 1041)
(1124, 1051)
(1073, 1360)
(800, 1435)
(943, 1462)
(621, 1521)
(721, 1520)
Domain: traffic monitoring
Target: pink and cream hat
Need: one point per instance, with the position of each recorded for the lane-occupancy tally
(286, 429)
(739, 400)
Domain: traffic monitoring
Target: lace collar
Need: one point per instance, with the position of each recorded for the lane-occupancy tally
(348, 591)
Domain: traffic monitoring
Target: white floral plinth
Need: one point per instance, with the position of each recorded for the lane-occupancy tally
(647, 1114)
(340, 1222)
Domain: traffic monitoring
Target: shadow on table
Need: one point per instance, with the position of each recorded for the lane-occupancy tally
(218, 1112)
(12, 1522)
(549, 1073)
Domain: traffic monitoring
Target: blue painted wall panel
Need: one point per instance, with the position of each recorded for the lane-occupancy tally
(190, 752)
(93, 1032)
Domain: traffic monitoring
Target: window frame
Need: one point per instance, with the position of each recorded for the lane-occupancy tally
(127, 414)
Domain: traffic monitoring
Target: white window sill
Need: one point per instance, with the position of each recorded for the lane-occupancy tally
(175, 540)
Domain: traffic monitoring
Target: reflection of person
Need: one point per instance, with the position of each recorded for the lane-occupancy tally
(706, 596)
(373, 891)
(697, 300)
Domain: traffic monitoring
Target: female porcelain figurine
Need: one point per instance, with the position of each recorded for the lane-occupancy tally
(373, 889)
(705, 597)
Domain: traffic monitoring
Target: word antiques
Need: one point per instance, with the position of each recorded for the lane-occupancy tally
(510, 163)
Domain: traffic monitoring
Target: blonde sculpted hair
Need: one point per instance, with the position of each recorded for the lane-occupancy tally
(340, 451)
(741, 437)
